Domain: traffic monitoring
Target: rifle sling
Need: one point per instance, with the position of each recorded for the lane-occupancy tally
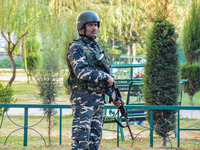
(119, 123)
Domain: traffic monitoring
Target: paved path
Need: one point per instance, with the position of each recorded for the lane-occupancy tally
(190, 114)
(7, 78)
(36, 111)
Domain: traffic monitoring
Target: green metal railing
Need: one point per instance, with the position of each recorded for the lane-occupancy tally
(141, 107)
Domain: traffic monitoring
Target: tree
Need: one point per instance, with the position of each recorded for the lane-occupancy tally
(56, 32)
(161, 81)
(48, 83)
(124, 21)
(18, 18)
(191, 48)
(33, 56)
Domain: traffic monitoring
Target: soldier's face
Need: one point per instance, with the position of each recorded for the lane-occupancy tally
(92, 29)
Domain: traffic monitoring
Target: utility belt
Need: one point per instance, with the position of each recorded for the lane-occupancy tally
(88, 86)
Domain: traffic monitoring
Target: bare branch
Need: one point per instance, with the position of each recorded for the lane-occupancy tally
(4, 36)
(10, 38)
(20, 38)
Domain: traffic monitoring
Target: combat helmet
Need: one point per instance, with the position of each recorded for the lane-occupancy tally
(86, 17)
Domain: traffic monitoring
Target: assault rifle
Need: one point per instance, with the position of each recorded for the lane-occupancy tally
(114, 94)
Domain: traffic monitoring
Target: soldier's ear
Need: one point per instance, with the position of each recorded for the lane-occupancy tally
(81, 31)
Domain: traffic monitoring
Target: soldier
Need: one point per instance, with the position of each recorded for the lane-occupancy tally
(88, 84)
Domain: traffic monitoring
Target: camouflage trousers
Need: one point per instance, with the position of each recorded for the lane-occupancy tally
(86, 127)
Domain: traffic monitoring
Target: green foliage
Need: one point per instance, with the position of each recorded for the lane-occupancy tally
(32, 45)
(115, 51)
(66, 84)
(18, 18)
(48, 78)
(191, 48)
(161, 74)
(33, 57)
(48, 82)
(33, 62)
(6, 96)
(192, 73)
(16, 50)
(191, 34)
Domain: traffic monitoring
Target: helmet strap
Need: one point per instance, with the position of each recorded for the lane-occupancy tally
(84, 27)
(84, 34)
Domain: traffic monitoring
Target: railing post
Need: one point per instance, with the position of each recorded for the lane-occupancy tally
(118, 130)
(151, 128)
(60, 126)
(178, 134)
(25, 126)
(131, 73)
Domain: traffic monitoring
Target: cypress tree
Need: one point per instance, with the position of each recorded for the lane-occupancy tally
(48, 83)
(161, 83)
(191, 47)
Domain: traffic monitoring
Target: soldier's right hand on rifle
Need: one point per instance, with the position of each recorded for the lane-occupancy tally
(118, 103)
(111, 81)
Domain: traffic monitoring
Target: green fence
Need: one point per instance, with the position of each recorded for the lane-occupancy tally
(25, 127)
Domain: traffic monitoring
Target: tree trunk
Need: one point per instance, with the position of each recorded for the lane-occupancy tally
(49, 116)
(128, 52)
(13, 65)
(25, 61)
(126, 45)
(191, 98)
(134, 50)
(113, 42)
(164, 140)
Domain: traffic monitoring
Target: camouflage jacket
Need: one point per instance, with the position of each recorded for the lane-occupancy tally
(85, 73)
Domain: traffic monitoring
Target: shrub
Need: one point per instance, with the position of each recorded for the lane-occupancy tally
(115, 51)
(6, 97)
(192, 73)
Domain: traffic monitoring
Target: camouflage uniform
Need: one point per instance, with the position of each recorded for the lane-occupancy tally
(87, 80)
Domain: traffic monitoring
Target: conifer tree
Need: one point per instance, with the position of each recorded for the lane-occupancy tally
(48, 84)
(161, 75)
(33, 56)
(191, 48)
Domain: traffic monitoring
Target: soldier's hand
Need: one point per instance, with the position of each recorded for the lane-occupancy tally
(110, 81)
(118, 103)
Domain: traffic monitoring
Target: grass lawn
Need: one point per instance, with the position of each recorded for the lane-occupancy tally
(189, 139)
